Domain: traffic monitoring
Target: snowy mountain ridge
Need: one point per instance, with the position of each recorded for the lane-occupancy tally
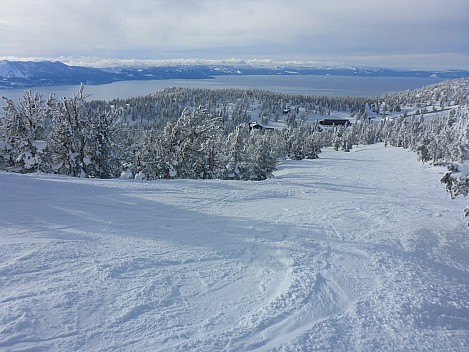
(22, 74)
(9, 70)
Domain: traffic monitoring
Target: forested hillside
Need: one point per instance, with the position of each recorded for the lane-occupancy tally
(201, 133)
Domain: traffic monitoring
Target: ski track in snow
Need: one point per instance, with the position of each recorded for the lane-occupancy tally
(359, 251)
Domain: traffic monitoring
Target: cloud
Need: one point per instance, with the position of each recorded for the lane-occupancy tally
(294, 29)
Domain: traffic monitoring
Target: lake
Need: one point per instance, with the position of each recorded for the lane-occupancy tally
(307, 85)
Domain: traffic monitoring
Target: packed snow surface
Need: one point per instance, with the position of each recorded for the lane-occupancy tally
(359, 251)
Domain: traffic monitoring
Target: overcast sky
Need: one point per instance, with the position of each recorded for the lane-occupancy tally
(391, 33)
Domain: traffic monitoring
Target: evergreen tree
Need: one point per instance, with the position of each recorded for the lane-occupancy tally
(188, 148)
(69, 136)
(260, 161)
(23, 130)
(104, 145)
(234, 156)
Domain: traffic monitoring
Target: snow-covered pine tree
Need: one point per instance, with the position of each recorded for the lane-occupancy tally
(12, 132)
(210, 146)
(104, 144)
(458, 149)
(151, 159)
(261, 162)
(312, 146)
(197, 140)
(69, 136)
(187, 148)
(24, 132)
(456, 183)
(295, 142)
(251, 155)
(234, 156)
(338, 139)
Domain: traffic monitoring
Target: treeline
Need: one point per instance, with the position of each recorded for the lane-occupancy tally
(234, 106)
(60, 136)
(71, 137)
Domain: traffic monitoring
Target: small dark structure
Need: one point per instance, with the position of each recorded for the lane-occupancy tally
(334, 122)
(255, 126)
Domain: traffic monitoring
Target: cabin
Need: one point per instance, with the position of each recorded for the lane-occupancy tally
(334, 122)
(255, 126)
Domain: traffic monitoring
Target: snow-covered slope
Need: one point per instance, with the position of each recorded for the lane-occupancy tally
(359, 251)
(18, 74)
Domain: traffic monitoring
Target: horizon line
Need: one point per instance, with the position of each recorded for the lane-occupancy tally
(98, 62)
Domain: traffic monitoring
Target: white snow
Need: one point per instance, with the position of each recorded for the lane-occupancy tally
(359, 251)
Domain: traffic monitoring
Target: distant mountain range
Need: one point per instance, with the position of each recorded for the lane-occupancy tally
(24, 74)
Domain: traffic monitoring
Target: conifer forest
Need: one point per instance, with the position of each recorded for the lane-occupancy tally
(209, 134)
